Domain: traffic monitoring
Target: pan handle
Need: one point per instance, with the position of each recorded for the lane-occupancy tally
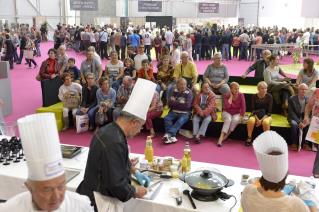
(229, 183)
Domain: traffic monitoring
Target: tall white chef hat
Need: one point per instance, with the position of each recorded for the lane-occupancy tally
(140, 99)
(274, 167)
(41, 146)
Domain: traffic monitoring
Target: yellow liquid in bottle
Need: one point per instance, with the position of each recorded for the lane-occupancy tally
(187, 153)
(184, 164)
(149, 152)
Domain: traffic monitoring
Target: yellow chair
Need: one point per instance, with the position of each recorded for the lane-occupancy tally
(57, 109)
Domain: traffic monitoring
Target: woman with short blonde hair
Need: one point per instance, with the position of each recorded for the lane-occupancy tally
(261, 107)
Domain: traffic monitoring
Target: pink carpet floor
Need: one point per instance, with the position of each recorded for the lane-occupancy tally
(27, 97)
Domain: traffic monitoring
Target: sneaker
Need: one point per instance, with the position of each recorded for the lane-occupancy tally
(173, 139)
(165, 137)
(169, 140)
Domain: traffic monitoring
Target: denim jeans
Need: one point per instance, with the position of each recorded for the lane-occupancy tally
(200, 130)
(258, 53)
(116, 84)
(198, 50)
(15, 55)
(91, 113)
(38, 52)
(225, 51)
(243, 51)
(180, 119)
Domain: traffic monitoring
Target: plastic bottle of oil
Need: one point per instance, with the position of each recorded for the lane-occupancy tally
(149, 152)
(188, 152)
(184, 162)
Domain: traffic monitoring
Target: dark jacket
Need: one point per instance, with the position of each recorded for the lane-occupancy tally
(213, 40)
(182, 100)
(259, 66)
(108, 165)
(198, 38)
(9, 47)
(74, 71)
(294, 109)
(89, 96)
(261, 107)
(23, 42)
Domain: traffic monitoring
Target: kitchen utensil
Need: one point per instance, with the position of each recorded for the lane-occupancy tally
(186, 192)
(151, 187)
(205, 184)
(176, 194)
(156, 192)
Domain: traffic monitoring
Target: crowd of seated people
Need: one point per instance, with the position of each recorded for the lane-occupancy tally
(105, 92)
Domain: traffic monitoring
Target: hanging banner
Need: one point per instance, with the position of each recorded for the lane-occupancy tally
(208, 7)
(149, 6)
(84, 5)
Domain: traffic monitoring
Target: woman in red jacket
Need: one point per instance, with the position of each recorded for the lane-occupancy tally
(204, 110)
(49, 67)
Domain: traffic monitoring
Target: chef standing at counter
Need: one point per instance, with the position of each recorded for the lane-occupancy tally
(108, 168)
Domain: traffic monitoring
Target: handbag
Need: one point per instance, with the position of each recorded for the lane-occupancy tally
(82, 123)
(71, 100)
(28, 54)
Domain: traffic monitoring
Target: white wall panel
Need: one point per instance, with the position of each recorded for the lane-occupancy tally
(310, 8)
(50, 8)
(281, 13)
(249, 12)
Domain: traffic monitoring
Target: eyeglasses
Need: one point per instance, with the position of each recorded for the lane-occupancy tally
(90, 78)
(50, 190)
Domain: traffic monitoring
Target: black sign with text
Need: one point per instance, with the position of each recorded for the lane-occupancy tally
(149, 6)
(208, 7)
(86, 5)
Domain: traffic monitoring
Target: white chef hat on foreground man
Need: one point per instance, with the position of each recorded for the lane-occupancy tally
(141, 98)
(41, 146)
(274, 167)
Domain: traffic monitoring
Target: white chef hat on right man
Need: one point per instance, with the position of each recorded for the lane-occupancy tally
(274, 167)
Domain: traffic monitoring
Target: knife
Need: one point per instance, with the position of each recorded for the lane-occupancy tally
(150, 188)
(157, 190)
